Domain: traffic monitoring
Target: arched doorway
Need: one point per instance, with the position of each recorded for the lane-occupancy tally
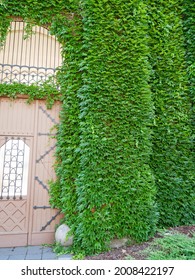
(27, 144)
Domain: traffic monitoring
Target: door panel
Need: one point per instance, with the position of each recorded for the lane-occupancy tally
(25, 215)
(44, 218)
(13, 223)
(16, 117)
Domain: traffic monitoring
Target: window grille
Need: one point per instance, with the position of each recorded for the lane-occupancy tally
(29, 61)
(14, 162)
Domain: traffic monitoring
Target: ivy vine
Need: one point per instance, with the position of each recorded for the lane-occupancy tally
(125, 142)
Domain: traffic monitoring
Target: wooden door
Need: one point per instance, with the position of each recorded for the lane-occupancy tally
(26, 165)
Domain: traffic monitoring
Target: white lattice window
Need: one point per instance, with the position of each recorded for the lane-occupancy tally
(14, 165)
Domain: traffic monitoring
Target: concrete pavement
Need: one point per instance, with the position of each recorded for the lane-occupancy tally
(31, 253)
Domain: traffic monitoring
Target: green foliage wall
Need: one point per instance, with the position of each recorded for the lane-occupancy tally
(125, 150)
(189, 33)
(172, 160)
(115, 185)
(64, 194)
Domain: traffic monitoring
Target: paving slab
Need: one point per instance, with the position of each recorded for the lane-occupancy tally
(33, 257)
(49, 256)
(34, 250)
(4, 257)
(16, 257)
(47, 249)
(20, 250)
(5, 251)
(65, 257)
(31, 253)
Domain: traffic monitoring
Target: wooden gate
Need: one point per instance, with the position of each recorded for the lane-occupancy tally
(26, 166)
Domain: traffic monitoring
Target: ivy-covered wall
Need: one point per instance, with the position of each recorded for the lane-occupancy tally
(125, 150)
(189, 33)
(172, 159)
(115, 184)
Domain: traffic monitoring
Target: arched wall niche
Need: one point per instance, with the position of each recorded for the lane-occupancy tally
(31, 59)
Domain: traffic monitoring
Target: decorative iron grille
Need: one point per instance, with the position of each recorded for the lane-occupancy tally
(25, 74)
(14, 157)
(29, 61)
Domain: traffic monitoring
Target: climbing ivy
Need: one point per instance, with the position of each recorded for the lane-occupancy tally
(189, 33)
(47, 91)
(115, 185)
(172, 160)
(68, 138)
(125, 154)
